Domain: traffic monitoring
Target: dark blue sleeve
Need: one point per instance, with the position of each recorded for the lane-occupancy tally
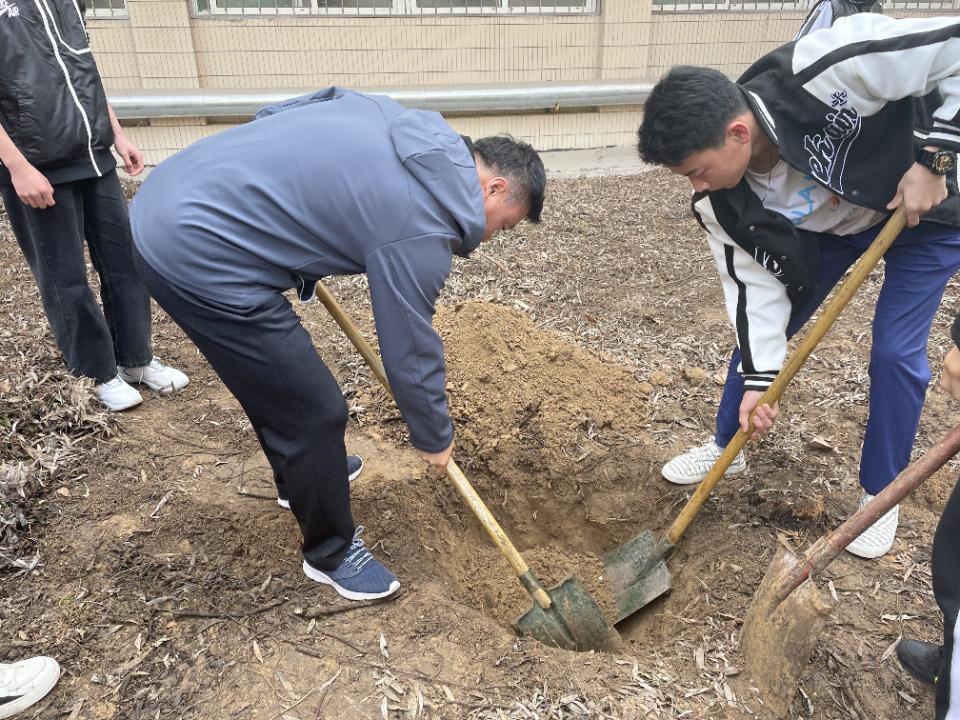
(405, 279)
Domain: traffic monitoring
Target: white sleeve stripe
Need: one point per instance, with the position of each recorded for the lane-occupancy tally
(757, 303)
(942, 136)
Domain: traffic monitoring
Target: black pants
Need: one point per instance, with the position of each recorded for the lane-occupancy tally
(93, 341)
(946, 589)
(266, 358)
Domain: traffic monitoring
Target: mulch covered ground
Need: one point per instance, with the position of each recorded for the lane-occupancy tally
(146, 553)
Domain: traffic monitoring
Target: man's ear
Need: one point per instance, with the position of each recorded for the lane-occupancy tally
(739, 131)
(497, 185)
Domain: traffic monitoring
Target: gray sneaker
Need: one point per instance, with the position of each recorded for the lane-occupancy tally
(360, 576)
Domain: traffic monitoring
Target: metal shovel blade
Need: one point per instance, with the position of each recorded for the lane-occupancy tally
(574, 621)
(637, 573)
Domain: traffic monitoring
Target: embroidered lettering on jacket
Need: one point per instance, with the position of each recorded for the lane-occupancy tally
(8, 8)
(828, 150)
(768, 262)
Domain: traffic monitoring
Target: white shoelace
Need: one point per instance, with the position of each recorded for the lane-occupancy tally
(358, 556)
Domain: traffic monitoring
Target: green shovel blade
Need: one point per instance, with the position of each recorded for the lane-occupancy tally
(637, 573)
(574, 621)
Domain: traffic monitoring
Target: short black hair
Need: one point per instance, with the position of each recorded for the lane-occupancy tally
(687, 111)
(520, 163)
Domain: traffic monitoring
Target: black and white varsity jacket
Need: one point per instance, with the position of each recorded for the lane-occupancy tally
(839, 103)
(52, 102)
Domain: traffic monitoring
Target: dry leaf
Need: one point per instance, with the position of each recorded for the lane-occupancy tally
(891, 649)
(256, 652)
(818, 444)
(907, 697)
(383, 647)
(286, 685)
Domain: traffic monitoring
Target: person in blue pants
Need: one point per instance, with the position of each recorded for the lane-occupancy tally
(795, 167)
(917, 268)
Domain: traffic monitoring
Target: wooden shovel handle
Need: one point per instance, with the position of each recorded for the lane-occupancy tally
(454, 473)
(867, 262)
(822, 552)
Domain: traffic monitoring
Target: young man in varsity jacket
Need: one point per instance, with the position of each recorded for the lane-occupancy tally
(59, 185)
(795, 167)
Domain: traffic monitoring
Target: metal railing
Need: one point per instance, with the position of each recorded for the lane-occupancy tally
(472, 100)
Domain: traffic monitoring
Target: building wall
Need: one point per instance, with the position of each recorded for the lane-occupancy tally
(728, 41)
(162, 45)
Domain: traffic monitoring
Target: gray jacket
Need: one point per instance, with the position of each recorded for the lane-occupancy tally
(335, 183)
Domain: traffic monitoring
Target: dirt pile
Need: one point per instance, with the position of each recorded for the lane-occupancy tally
(554, 438)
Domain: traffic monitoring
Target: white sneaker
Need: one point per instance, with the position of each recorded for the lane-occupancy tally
(877, 539)
(156, 376)
(692, 466)
(26, 682)
(116, 395)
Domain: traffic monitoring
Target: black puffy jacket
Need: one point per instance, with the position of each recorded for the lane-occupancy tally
(52, 102)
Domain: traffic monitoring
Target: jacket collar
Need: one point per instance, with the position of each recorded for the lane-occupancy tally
(760, 111)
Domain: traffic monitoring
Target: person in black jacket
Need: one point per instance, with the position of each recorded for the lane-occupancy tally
(926, 661)
(59, 185)
(826, 12)
(795, 167)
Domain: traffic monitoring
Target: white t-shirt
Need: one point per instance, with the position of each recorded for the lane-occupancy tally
(809, 205)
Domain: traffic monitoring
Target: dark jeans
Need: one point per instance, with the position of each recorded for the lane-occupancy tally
(946, 590)
(916, 270)
(93, 341)
(266, 358)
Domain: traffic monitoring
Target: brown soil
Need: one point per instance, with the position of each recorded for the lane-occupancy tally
(582, 354)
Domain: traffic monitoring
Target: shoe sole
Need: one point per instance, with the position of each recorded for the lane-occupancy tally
(321, 577)
(285, 504)
(682, 480)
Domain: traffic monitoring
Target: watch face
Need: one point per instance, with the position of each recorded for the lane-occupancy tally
(943, 163)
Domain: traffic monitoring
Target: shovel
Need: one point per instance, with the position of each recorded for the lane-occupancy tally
(565, 616)
(637, 570)
(787, 614)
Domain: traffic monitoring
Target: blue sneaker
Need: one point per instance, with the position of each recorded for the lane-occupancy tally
(354, 468)
(360, 576)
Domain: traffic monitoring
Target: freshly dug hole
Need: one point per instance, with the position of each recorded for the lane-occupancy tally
(555, 440)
